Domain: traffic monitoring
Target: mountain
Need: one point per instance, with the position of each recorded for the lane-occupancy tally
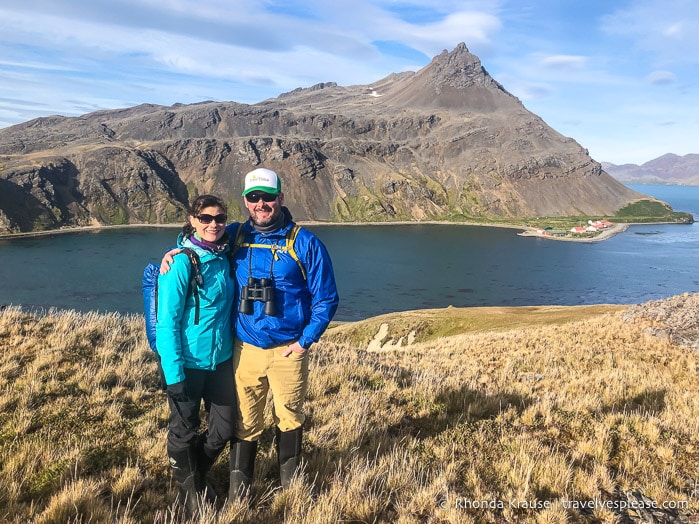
(445, 142)
(667, 169)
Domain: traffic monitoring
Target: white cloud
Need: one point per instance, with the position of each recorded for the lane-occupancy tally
(659, 28)
(661, 78)
(474, 29)
(530, 91)
(564, 62)
(33, 65)
(267, 49)
(675, 30)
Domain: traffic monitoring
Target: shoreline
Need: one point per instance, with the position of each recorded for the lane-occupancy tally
(616, 229)
(526, 231)
(81, 229)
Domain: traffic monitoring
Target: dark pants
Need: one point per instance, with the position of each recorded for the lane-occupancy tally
(217, 390)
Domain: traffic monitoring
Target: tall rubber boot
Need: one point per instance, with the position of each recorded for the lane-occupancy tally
(184, 471)
(205, 459)
(242, 459)
(288, 454)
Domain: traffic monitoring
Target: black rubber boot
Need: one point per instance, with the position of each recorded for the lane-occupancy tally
(205, 459)
(243, 454)
(184, 471)
(289, 454)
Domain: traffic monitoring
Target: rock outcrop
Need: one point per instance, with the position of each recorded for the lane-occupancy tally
(446, 142)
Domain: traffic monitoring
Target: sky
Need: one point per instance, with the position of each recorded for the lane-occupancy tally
(621, 77)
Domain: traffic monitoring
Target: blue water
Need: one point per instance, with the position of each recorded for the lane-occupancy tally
(381, 269)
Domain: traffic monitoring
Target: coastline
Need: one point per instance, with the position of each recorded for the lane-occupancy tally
(525, 230)
(80, 229)
(616, 229)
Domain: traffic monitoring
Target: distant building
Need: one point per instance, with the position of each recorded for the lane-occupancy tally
(598, 225)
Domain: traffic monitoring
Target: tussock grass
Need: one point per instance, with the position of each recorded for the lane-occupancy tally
(456, 415)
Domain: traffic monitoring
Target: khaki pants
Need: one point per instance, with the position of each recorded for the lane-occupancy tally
(258, 371)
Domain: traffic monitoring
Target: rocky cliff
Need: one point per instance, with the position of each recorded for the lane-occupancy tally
(446, 142)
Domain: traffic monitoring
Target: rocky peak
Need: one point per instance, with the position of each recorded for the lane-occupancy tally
(459, 69)
(453, 80)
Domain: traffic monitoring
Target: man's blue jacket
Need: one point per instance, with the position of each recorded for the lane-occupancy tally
(305, 307)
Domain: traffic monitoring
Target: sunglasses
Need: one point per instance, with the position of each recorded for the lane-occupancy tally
(254, 198)
(205, 218)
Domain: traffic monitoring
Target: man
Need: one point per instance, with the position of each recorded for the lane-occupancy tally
(286, 296)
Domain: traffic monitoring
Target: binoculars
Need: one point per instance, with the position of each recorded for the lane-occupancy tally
(259, 290)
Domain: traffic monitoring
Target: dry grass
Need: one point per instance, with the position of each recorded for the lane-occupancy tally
(456, 415)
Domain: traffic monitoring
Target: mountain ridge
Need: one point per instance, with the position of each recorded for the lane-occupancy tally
(445, 142)
(666, 169)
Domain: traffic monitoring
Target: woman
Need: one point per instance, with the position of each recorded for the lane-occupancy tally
(195, 343)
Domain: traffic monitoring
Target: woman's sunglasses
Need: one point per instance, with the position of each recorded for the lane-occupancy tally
(205, 218)
(254, 198)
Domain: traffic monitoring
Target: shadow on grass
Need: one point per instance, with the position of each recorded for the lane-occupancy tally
(651, 401)
(457, 406)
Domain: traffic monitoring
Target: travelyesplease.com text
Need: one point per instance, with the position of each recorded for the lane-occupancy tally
(589, 504)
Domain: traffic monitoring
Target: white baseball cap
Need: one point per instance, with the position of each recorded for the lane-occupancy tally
(262, 179)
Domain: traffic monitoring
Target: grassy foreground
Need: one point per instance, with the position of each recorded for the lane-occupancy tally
(538, 414)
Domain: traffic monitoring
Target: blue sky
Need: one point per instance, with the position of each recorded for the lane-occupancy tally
(618, 76)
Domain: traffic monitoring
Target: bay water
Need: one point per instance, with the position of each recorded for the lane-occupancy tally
(387, 268)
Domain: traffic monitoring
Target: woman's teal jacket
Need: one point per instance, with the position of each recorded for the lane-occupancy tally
(181, 342)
